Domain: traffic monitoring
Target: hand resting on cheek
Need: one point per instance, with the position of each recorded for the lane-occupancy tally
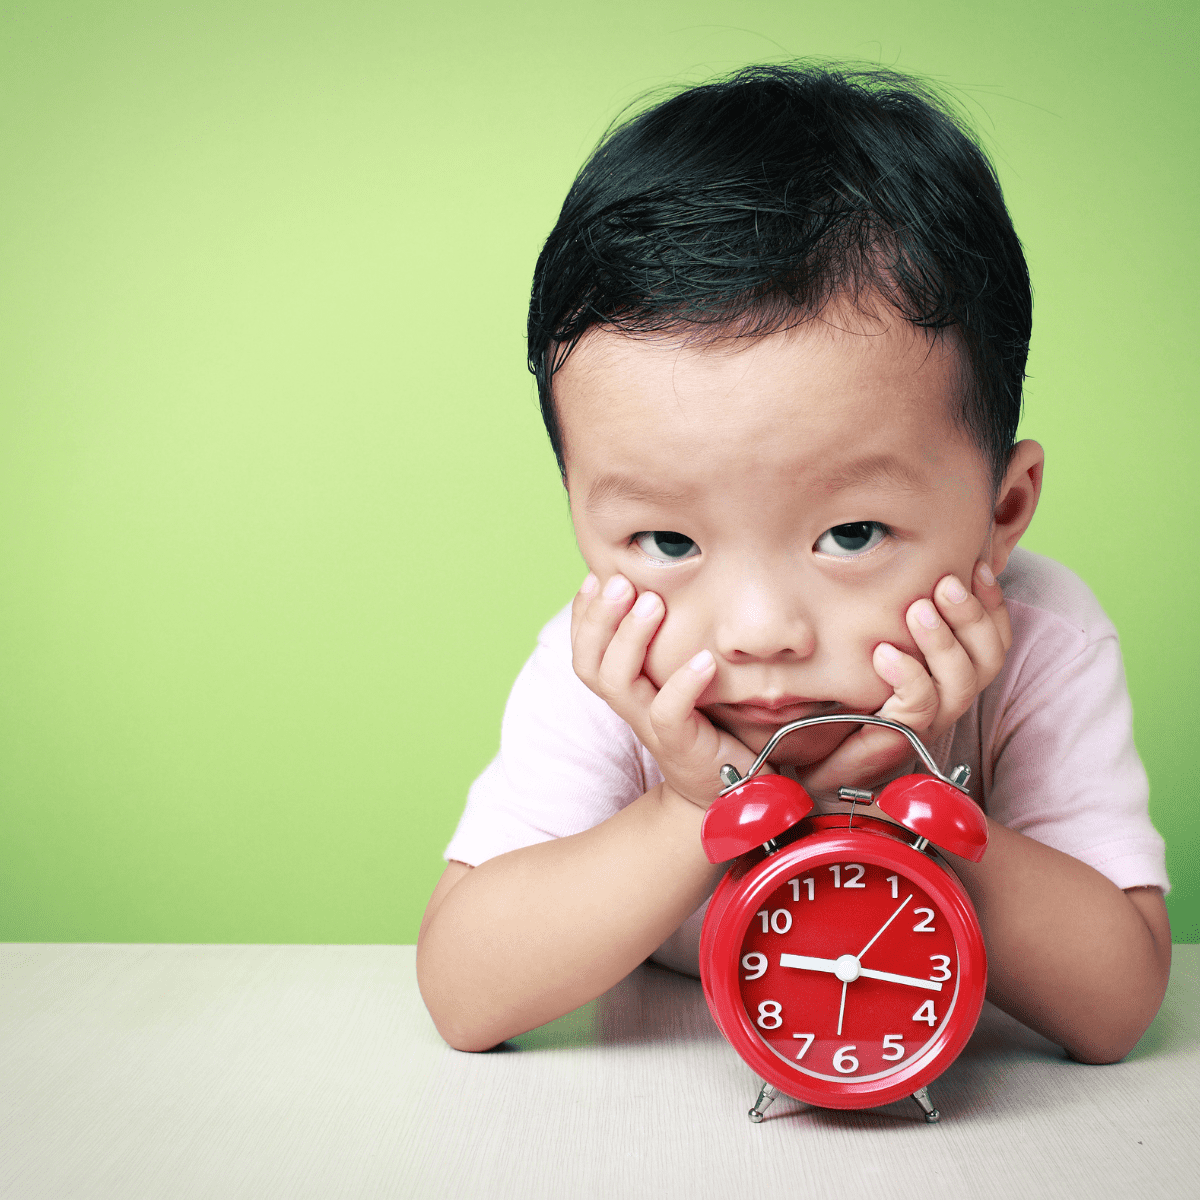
(962, 636)
(611, 631)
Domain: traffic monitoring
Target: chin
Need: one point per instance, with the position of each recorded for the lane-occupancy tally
(800, 749)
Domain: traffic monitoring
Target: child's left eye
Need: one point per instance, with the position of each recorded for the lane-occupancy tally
(856, 537)
(665, 545)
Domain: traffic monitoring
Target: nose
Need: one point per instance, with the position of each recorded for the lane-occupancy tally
(761, 617)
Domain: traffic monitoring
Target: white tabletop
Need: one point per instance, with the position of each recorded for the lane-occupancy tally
(298, 1071)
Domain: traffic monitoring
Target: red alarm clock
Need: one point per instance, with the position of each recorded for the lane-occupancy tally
(840, 955)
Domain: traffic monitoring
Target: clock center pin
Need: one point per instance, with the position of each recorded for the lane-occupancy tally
(846, 968)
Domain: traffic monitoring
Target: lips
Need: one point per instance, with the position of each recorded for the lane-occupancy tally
(779, 710)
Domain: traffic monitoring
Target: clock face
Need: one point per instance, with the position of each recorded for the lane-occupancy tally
(848, 971)
(848, 968)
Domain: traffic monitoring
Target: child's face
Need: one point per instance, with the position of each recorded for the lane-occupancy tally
(814, 486)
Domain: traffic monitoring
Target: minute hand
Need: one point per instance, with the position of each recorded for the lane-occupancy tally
(909, 980)
(806, 963)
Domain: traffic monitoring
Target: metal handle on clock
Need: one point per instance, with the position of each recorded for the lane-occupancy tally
(956, 779)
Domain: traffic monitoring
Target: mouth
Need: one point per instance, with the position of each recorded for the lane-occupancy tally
(779, 710)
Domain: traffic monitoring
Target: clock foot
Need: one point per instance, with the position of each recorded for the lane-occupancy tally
(921, 1096)
(765, 1099)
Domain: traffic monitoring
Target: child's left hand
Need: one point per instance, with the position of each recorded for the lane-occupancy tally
(964, 638)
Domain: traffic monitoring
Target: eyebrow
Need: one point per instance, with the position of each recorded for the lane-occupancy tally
(878, 468)
(614, 487)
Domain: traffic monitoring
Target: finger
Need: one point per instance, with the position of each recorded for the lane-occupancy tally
(580, 602)
(948, 667)
(676, 701)
(973, 626)
(991, 596)
(597, 624)
(623, 659)
(915, 699)
(686, 737)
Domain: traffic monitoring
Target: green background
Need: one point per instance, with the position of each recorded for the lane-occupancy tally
(278, 523)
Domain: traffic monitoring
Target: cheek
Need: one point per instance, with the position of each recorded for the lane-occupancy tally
(852, 635)
(681, 635)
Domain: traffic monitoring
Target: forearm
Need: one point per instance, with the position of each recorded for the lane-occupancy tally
(533, 934)
(1069, 954)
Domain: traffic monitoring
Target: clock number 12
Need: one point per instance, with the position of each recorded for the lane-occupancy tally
(852, 881)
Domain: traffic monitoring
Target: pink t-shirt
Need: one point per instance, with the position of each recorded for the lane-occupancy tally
(1049, 744)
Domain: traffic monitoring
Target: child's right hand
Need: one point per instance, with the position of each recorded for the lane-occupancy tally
(610, 635)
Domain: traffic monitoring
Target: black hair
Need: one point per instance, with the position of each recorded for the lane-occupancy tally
(748, 204)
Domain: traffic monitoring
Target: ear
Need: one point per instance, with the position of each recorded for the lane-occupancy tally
(1016, 501)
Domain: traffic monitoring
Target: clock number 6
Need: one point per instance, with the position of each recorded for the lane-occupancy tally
(844, 1061)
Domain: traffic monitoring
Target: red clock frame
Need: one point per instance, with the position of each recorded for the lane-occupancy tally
(821, 841)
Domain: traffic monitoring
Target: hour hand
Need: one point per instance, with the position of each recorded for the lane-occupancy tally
(808, 964)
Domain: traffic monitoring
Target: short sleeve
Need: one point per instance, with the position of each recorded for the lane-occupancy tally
(1059, 760)
(567, 762)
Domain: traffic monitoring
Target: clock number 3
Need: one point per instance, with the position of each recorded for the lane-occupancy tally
(942, 969)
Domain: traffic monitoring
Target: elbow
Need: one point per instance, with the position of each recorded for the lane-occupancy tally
(1100, 1051)
(1112, 1035)
(458, 1026)
(1101, 1046)
(464, 1036)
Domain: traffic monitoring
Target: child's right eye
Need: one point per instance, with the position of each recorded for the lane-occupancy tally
(665, 545)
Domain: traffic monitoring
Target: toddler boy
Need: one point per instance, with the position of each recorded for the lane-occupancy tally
(779, 332)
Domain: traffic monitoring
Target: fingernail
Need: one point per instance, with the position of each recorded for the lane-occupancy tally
(702, 662)
(887, 651)
(955, 592)
(926, 614)
(647, 605)
(985, 574)
(616, 587)
(588, 586)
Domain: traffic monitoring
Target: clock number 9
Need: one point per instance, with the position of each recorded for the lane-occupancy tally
(770, 1014)
(756, 964)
